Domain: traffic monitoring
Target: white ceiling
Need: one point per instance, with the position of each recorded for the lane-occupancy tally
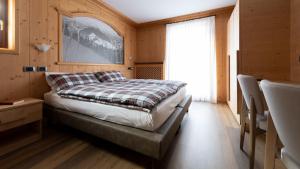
(150, 10)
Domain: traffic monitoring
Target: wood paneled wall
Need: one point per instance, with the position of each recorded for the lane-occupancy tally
(265, 38)
(221, 51)
(39, 24)
(233, 46)
(265, 50)
(151, 41)
(295, 40)
(151, 44)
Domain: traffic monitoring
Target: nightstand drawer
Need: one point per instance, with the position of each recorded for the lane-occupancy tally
(20, 115)
(9, 116)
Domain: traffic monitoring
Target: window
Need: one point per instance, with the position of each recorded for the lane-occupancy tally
(191, 57)
(7, 25)
(3, 23)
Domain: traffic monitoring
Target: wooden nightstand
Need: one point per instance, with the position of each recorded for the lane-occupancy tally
(20, 124)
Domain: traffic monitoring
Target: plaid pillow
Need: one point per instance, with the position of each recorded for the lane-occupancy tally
(110, 76)
(64, 81)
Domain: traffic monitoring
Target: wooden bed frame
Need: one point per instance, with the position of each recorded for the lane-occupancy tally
(152, 144)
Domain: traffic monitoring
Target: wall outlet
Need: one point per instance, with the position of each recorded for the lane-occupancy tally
(29, 69)
(41, 69)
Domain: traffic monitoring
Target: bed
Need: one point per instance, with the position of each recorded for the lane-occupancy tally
(149, 133)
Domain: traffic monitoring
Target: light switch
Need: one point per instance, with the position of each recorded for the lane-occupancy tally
(42, 69)
(29, 69)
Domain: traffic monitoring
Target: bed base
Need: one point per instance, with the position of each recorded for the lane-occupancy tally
(153, 144)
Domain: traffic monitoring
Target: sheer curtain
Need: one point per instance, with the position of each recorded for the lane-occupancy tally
(191, 57)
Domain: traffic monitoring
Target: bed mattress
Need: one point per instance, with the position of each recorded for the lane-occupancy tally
(120, 115)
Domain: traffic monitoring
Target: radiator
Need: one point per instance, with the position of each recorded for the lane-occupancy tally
(149, 71)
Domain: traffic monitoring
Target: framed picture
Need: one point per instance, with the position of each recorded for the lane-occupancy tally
(87, 40)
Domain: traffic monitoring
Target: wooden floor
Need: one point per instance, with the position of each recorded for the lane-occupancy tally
(208, 139)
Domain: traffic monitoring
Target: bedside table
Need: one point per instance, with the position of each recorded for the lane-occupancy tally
(20, 124)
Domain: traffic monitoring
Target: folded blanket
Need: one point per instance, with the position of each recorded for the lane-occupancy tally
(137, 94)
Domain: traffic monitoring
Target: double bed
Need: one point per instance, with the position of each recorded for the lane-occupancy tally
(146, 130)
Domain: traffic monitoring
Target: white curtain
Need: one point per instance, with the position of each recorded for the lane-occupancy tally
(191, 57)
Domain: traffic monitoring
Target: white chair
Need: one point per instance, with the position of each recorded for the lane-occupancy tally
(255, 117)
(284, 104)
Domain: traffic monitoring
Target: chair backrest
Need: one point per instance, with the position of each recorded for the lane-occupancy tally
(284, 104)
(249, 87)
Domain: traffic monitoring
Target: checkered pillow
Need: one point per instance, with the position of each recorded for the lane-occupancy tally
(59, 82)
(110, 76)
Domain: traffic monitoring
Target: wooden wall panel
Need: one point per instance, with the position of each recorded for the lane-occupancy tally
(221, 46)
(38, 34)
(264, 38)
(295, 40)
(151, 44)
(13, 82)
(151, 41)
(233, 46)
(39, 23)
